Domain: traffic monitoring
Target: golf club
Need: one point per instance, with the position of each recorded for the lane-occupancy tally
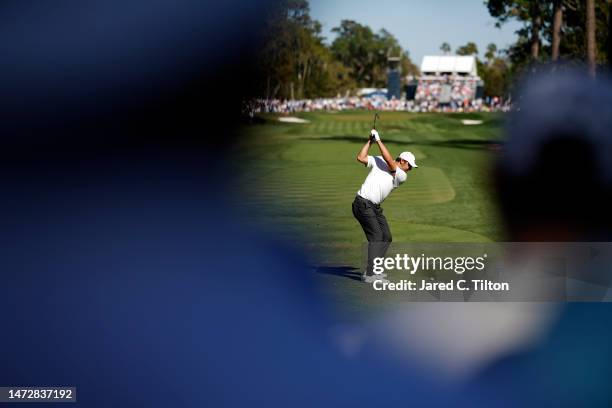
(374, 125)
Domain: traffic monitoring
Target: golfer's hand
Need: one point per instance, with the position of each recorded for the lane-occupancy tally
(374, 136)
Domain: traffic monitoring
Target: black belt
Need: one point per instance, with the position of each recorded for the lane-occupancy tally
(358, 197)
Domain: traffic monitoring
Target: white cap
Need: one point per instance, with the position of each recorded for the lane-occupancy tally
(409, 157)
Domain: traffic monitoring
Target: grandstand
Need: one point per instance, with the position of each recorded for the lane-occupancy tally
(448, 81)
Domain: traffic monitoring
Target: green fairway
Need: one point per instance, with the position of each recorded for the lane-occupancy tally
(301, 180)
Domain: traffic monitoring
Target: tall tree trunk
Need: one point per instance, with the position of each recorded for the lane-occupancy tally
(590, 30)
(536, 25)
(556, 31)
(609, 40)
(302, 79)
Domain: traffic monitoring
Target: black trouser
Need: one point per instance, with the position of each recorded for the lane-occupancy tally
(376, 229)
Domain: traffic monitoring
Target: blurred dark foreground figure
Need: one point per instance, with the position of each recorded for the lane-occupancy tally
(126, 271)
(555, 177)
(555, 183)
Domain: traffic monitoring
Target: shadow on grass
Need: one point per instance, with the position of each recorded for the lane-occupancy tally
(472, 144)
(342, 271)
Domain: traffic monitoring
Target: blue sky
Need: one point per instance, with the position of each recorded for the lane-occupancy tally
(419, 25)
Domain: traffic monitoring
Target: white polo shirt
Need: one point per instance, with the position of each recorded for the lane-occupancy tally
(380, 182)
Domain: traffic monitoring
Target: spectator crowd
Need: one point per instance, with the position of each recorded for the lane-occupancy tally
(427, 100)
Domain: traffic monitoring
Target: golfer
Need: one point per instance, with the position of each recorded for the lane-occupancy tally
(386, 175)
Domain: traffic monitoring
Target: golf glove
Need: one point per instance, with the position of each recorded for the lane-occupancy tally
(374, 135)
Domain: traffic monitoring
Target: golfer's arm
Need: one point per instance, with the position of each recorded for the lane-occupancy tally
(362, 156)
(387, 156)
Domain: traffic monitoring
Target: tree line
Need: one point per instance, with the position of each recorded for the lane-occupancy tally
(295, 61)
(560, 32)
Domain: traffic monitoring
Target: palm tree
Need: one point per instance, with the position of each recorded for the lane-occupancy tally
(490, 54)
(445, 48)
(590, 31)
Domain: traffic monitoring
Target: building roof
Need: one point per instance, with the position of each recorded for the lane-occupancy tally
(449, 63)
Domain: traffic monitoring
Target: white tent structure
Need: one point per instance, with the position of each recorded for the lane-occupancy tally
(448, 81)
(449, 65)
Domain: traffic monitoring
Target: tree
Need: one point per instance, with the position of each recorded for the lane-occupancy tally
(535, 11)
(355, 47)
(495, 73)
(590, 29)
(445, 48)
(295, 62)
(293, 55)
(530, 12)
(609, 37)
(555, 28)
(558, 9)
(468, 49)
(491, 52)
(329, 77)
(574, 44)
(364, 53)
(408, 67)
(496, 76)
